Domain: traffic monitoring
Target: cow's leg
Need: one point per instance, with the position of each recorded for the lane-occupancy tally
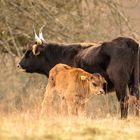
(124, 107)
(64, 107)
(121, 92)
(120, 77)
(120, 85)
(46, 109)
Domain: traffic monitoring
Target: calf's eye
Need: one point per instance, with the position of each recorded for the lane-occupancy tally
(94, 84)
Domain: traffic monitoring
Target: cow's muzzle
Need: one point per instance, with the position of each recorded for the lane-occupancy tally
(20, 68)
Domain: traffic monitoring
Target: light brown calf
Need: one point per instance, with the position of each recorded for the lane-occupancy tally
(74, 86)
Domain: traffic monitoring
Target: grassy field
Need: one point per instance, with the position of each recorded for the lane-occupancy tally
(21, 126)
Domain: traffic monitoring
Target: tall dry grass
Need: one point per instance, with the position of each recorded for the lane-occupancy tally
(21, 126)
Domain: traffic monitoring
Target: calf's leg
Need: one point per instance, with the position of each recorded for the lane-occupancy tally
(72, 107)
(46, 109)
(64, 107)
(81, 110)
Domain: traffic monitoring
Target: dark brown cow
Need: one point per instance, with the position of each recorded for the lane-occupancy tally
(117, 61)
(74, 86)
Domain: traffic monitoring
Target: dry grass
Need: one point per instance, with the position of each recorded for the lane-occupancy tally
(21, 126)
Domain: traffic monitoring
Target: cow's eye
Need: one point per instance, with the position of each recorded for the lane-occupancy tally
(94, 84)
(27, 53)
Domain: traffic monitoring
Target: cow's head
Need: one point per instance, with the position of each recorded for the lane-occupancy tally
(95, 82)
(33, 59)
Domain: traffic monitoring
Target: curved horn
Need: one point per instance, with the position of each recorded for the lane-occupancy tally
(41, 34)
(37, 39)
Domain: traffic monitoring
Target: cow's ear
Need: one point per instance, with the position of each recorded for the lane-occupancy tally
(35, 50)
(83, 77)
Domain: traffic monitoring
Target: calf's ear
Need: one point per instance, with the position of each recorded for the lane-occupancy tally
(83, 77)
(104, 81)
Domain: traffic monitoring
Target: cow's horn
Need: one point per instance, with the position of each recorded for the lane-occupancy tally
(37, 39)
(41, 34)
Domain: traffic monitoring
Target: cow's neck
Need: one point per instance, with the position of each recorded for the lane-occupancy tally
(60, 53)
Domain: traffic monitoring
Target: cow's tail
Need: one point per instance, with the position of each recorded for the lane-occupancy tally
(136, 72)
(136, 80)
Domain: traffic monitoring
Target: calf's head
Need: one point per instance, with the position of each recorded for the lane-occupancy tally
(95, 83)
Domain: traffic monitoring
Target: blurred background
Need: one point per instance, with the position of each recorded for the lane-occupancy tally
(67, 21)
